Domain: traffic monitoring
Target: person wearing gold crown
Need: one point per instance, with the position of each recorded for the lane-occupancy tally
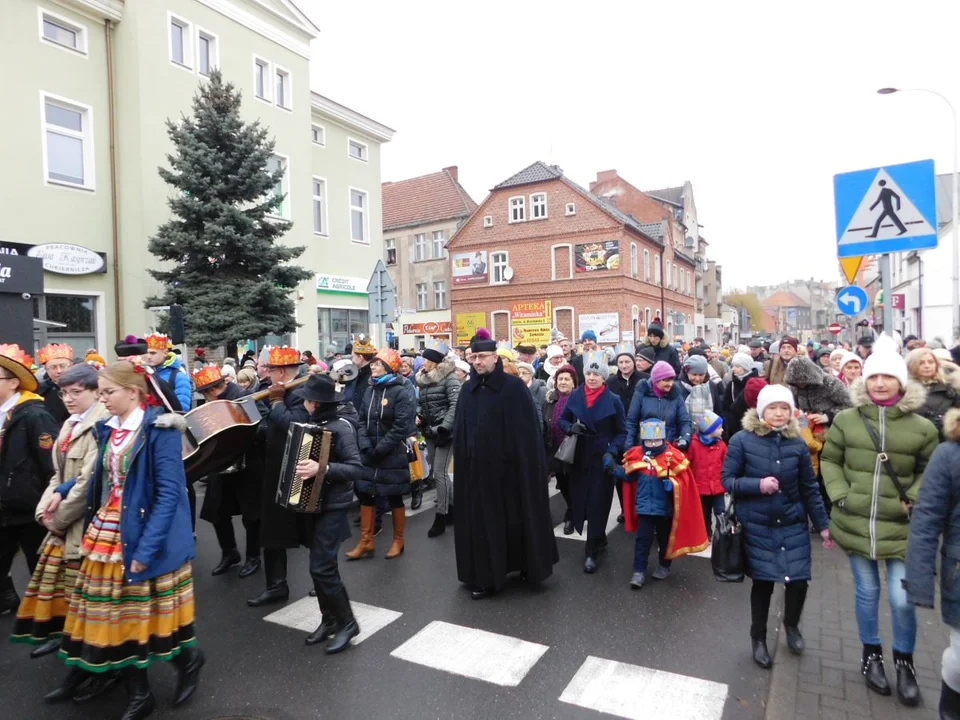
(363, 352)
(279, 530)
(55, 359)
(168, 367)
(233, 491)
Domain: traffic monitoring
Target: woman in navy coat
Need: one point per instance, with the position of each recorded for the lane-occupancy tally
(770, 475)
(595, 414)
(659, 398)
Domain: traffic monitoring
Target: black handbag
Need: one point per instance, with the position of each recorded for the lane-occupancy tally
(727, 554)
(887, 465)
(567, 450)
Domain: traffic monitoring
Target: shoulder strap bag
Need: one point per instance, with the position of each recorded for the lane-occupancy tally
(887, 465)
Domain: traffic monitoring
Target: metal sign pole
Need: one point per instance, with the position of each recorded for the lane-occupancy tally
(887, 297)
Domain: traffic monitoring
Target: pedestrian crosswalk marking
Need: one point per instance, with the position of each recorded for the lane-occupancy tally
(429, 498)
(304, 615)
(632, 691)
(478, 654)
(611, 524)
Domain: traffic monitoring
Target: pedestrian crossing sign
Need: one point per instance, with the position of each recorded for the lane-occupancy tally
(886, 209)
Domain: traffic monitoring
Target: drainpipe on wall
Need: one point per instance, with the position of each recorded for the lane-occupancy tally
(919, 295)
(663, 284)
(114, 220)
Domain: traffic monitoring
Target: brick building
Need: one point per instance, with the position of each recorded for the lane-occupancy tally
(540, 237)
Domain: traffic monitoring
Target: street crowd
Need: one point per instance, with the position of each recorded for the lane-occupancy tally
(857, 445)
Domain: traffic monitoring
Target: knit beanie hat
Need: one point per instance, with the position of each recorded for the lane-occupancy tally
(462, 366)
(553, 351)
(792, 341)
(588, 335)
(773, 394)
(569, 370)
(745, 349)
(709, 422)
(886, 362)
(751, 390)
(647, 353)
(743, 360)
(655, 330)
(662, 371)
(696, 364)
(526, 366)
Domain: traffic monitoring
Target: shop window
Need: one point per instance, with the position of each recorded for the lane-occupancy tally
(76, 313)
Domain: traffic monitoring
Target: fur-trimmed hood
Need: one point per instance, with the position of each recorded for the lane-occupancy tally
(753, 424)
(171, 420)
(951, 424)
(914, 395)
(802, 371)
(952, 374)
(436, 376)
(664, 342)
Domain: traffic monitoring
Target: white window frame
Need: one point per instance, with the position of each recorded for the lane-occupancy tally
(188, 35)
(553, 261)
(267, 79)
(488, 221)
(689, 283)
(656, 270)
(634, 269)
(322, 142)
(366, 214)
(286, 77)
(565, 308)
(443, 245)
(364, 153)
(521, 206)
(86, 136)
(534, 204)
(676, 277)
(67, 24)
(285, 211)
(440, 296)
(571, 209)
(420, 247)
(324, 227)
(493, 323)
(666, 271)
(421, 306)
(646, 317)
(213, 42)
(646, 265)
(493, 267)
(388, 245)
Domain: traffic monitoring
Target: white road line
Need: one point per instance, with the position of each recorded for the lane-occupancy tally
(611, 524)
(305, 615)
(552, 488)
(632, 691)
(478, 654)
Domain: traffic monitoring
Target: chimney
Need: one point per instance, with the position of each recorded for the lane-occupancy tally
(453, 172)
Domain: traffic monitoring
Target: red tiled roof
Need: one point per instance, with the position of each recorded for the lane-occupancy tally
(784, 299)
(425, 199)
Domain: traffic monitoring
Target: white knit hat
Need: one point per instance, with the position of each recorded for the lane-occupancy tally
(773, 394)
(886, 362)
(744, 360)
(462, 366)
(849, 357)
(553, 351)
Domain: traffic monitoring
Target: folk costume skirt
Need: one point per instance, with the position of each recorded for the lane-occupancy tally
(43, 609)
(113, 624)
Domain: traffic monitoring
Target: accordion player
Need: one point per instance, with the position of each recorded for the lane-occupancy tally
(305, 441)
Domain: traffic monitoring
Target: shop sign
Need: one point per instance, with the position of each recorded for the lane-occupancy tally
(60, 258)
(427, 328)
(605, 325)
(602, 255)
(531, 321)
(626, 336)
(469, 267)
(20, 275)
(467, 324)
(342, 284)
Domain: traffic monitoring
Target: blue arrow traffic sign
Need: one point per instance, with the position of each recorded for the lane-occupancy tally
(886, 209)
(852, 300)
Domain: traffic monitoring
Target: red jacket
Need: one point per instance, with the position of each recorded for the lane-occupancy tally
(706, 462)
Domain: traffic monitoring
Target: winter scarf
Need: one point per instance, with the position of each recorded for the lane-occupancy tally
(558, 434)
(592, 395)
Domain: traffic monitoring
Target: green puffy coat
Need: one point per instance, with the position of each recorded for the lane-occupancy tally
(872, 521)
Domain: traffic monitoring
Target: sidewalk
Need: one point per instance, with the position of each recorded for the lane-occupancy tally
(825, 682)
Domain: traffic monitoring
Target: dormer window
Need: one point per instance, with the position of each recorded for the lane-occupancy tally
(518, 209)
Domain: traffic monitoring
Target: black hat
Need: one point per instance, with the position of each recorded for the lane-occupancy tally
(321, 389)
(866, 341)
(130, 345)
(647, 353)
(756, 343)
(482, 342)
(655, 329)
(527, 349)
(348, 350)
(697, 351)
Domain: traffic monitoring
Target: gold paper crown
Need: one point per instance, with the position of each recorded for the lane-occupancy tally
(363, 345)
(54, 351)
(157, 341)
(652, 430)
(14, 352)
(281, 356)
(207, 375)
(626, 348)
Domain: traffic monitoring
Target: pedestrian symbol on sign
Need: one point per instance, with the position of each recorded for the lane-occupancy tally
(887, 196)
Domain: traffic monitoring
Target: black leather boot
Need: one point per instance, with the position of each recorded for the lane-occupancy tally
(908, 691)
(250, 566)
(794, 640)
(140, 700)
(277, 590)
(347, 627)
(188, 664)
(9, 600)
(328, 621)
(231, 558)
(761, 656)
(416, 496)
(50, 646)
(949, 703)
(872, 668)
(96, 686)
(74, 679)
(438, 527)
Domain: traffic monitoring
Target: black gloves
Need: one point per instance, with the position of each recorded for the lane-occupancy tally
(578, 428)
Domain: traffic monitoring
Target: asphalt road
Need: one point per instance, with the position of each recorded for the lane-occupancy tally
(678, 648)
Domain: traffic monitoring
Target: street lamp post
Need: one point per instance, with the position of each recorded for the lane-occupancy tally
(954, 206)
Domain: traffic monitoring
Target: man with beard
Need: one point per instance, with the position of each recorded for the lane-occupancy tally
(55, 358)
(775, 369)
(502, 511)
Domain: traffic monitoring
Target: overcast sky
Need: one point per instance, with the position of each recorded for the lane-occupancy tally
(757, 107)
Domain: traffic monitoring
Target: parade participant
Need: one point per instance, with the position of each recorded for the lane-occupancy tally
(27, 435)
(822, 359)
(555, 360)
(758, 352)
(936, 515)
(247, 380)
(363, 351)
(569, 353)
(537, 388)
(406, 365)
(436, 409)
(942, 394)
(387, 420)
(706, 455)
(234, 491)
(662, 349)
(659, 398)
(503, 520)
(595, 415)
(851, 368)
(646, 357)
(200, 358)
(742, 370)
(322, 399)
(565, 382)
(278, 527)
(169, 368)
(817, 395)
(775, 369)
(865, 347)
(836, 356)
(872, 467)
(55, 359)
(713, 357)
(666, 503)
(588, 341)
(623, 383)
(700, 395)
(526, 353)
(94, 358)
(769, 474)
(44, 607)
(133, 604)
(463, 370)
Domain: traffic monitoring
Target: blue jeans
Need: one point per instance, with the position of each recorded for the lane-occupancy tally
(866, 579)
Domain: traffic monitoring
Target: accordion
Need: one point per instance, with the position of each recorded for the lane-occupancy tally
(304, 442)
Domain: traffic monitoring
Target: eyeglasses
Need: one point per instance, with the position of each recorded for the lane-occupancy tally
(64, 394)
(483, 355)
(107, 393)
(7, 377)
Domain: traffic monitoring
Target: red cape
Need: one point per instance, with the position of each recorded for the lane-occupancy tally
(687, 533)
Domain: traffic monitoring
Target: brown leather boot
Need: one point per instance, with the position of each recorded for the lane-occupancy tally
(366, 546)
(399, 523)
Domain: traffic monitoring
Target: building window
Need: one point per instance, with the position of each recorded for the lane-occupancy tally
(500, 325)
(338, 326)
(488, 221)
(518, 209)
(180, 45)
(646, 317)
(439, 244)
(78, 314)
(359, 227)
(440, 295)
(419, 247)
(646, 265)
(261, 79)
(667, 279)
(656, 269)
(208, 52)
(390, 245)
(357, 150)
(422, 296)
(538, 206)
(284, 93)
(318, 134)
(68, 142)
(689, 283)
(499, 261)
(62, 32)
(676, 277)
(571, 209)
(320, 206)
(633, 259)
(281, 189)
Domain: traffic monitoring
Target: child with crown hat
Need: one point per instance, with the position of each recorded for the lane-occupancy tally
(55, 359)
(707, 453)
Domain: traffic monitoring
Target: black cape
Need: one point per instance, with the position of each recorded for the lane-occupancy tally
(502, 511)
(279, 527)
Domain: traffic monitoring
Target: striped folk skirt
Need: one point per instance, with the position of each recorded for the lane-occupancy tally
(44, 606)
(113, 624)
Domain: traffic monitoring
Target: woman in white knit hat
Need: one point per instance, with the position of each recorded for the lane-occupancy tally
(872, 466)
(554, 361)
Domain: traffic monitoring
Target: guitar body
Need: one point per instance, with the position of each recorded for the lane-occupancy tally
(218, 433)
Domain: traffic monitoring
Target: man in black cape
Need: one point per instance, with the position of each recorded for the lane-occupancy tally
(502, 513)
